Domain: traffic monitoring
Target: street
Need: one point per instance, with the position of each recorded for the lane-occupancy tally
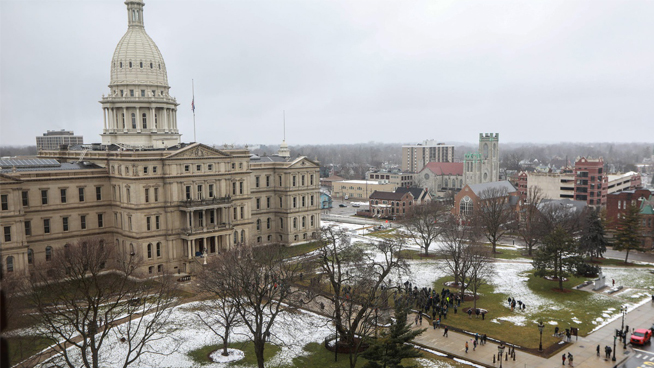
(643, 357)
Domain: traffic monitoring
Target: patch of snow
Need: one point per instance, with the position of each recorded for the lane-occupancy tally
(553, 323)
(233, 355)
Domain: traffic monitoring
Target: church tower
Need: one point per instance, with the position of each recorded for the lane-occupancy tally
(139, 111)
(483, 166)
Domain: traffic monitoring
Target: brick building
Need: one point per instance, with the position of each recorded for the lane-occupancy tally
(390, 204)
(616, 206)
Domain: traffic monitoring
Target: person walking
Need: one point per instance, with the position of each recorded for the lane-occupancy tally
(416, 320)
(483, 315)
(474, 345)
(445, 332)
(438, 323)
(470, 313)
(467, 347)
(563, 358)
(570, 359)
(434, 323)
(476, 338)
(598, 349)
(420, 319)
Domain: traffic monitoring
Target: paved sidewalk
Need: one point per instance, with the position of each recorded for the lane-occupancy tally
(583, 350)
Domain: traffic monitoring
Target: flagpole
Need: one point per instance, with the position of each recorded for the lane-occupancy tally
(193, 91)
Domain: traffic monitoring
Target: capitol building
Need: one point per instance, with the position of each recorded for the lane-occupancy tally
(143, 189)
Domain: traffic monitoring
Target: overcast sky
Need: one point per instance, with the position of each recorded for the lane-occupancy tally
(345, 71)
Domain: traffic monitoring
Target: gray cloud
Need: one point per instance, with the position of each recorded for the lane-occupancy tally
(345, 71)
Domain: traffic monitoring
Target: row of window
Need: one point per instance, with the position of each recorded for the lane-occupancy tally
(294, 180)
(131, 65)
(64, 197)
(302, 202)
(47, 225)
(303, 222)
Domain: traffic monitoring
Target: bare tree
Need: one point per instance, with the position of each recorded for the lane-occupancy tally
(79, 304)
(257, 282)
(457, 238)
(220, 316)
(529, 226)
(359, 281)
(423, 223)
(494, 214)
(481, 268)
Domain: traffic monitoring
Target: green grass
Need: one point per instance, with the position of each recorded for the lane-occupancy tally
(305, 248)
(23, 347)
(384, 234)
(319, 356)
(565, 306)
(201, 355)
(506, 253)
(418, 255)
(616, 262)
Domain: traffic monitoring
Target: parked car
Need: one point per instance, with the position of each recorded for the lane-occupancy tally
(641, 336)
(342, 205)
(355, 205)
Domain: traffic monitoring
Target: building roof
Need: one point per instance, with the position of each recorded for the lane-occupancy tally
(445, 168)
(136, 47)
(572, 205)
(8, 163)
(418, 193)
(273, 158)
(63, 166)
(370, 182)
(478, 188)
(333, 178)
(393, 196)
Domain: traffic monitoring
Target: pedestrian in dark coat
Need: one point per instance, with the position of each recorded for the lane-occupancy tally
(470, 313)
(563, 358)
(445, 332)
(598, 349)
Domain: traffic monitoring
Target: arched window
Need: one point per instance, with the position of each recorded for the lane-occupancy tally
(145, 121)
(466, 206)
(243, 236)
(10, 264)
(121, 64)
(268, 223)
(133, 121)
(131, 250)
(447, 183)
(130, 64)
(48, 253)
(235, 237)
(30, 256)
(150, 250)
(150, 65)
(155, 121)
(159, 249)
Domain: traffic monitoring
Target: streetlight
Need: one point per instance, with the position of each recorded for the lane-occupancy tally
(623, 309)
(614, 338)
(541, 326)
(500, 350)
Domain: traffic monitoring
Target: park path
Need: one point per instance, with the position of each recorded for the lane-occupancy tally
(583, 349)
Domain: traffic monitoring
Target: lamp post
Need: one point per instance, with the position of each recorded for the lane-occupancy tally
(614, 338)
(623, 309)
(500, 350)
(541, 326)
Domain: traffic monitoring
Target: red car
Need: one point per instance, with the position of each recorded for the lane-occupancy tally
(641, 336)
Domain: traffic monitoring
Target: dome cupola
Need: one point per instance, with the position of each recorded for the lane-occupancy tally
(139, 112)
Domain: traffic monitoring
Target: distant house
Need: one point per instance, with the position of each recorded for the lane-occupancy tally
(420, 195)
(468, 198)
(390, 204)
(325, 201)
(329, 181)
(616, 207)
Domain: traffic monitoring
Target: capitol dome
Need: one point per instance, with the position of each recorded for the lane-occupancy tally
(137, 59)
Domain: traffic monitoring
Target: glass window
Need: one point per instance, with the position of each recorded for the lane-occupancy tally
(156, 194)
(98, 193)
(65, 223)
(30, 256)
(144, 119)
(46, 226)
(5, 202)
(48, 253)
(81, 194)
(157, 224)
(7, 231)
(100, 220)
(10, 264)
(25, 197)
(147, 195)
(82, 220)
(150, 250)
(28, 227)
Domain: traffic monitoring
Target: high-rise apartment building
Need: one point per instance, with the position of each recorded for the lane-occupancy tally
(54, 139)
(415, 157)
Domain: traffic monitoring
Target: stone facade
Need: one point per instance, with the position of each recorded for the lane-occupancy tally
(144, 191)
(483, 166)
